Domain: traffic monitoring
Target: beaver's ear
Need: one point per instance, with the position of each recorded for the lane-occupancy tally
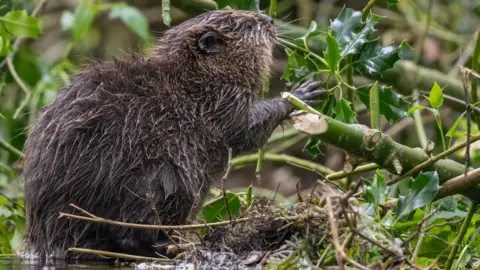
(210, 42)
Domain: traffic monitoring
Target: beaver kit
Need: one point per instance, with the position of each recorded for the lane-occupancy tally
(142, 141)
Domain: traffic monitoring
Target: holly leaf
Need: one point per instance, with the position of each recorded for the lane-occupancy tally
(422, 191)
(350, 32)
(436, 96)
(313, 146)
(311, 32)
(392, 104)
(376, 191)
(216, 210)
(373, 58)
(20, 24)
(133, 18)
(327, 106)
(332, 54)
(344, 112)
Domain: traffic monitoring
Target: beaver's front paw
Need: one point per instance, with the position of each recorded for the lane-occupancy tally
(309, 92)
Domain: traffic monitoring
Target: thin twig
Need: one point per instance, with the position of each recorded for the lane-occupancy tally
(22, 85)
(118, 255)
(161, 227)
(335, 239)
(432, 160)
(224, 178)
(468, 116)
(10, 148)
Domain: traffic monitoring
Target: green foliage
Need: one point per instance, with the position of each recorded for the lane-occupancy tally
(436, 96)
(350, 32)
(375, 191)
(20, 24)
(422, 191)
(332, 54)
(80, 21)
(374, 58)
(392, 105)
(344, 112)
(134, 19)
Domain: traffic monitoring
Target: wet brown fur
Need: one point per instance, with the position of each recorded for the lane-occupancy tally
(142, 141)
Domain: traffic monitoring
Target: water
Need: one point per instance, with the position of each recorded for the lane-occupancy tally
(11, 263)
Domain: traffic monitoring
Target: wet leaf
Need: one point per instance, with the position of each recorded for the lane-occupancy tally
(392, 105)
(133, 18)
(332, 55)
(20, 24)
(311, 32)
(373, 58)
(436, 96)
(344, 112)
(422, 191)
(350, 32)
(216, 210)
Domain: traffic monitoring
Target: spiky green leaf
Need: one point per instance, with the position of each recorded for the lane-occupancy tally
(422, 191)
(392, 105)
(344, 112)
(332, 54)
(350, 32)
(373, 58)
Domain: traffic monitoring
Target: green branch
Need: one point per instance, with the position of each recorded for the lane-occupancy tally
(367, 8)
(252, 158)
(5, 145)
(368, 145)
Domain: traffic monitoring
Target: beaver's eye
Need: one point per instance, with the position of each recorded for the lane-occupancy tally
(210, 42)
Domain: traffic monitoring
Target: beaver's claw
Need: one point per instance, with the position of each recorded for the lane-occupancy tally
(309, 92)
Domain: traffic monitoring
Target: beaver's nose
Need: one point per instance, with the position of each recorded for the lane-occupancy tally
(267, 18)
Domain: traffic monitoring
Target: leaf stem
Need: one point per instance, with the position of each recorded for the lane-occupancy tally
(302, 163)
(367, 8)
(461, 235)
(351, 94)
(295, 46)
(5, 145)
(359, 169)
(374, 107)
(22, 85)
(476, 54)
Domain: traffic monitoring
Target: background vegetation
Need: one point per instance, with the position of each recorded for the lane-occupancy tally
(405, 68)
